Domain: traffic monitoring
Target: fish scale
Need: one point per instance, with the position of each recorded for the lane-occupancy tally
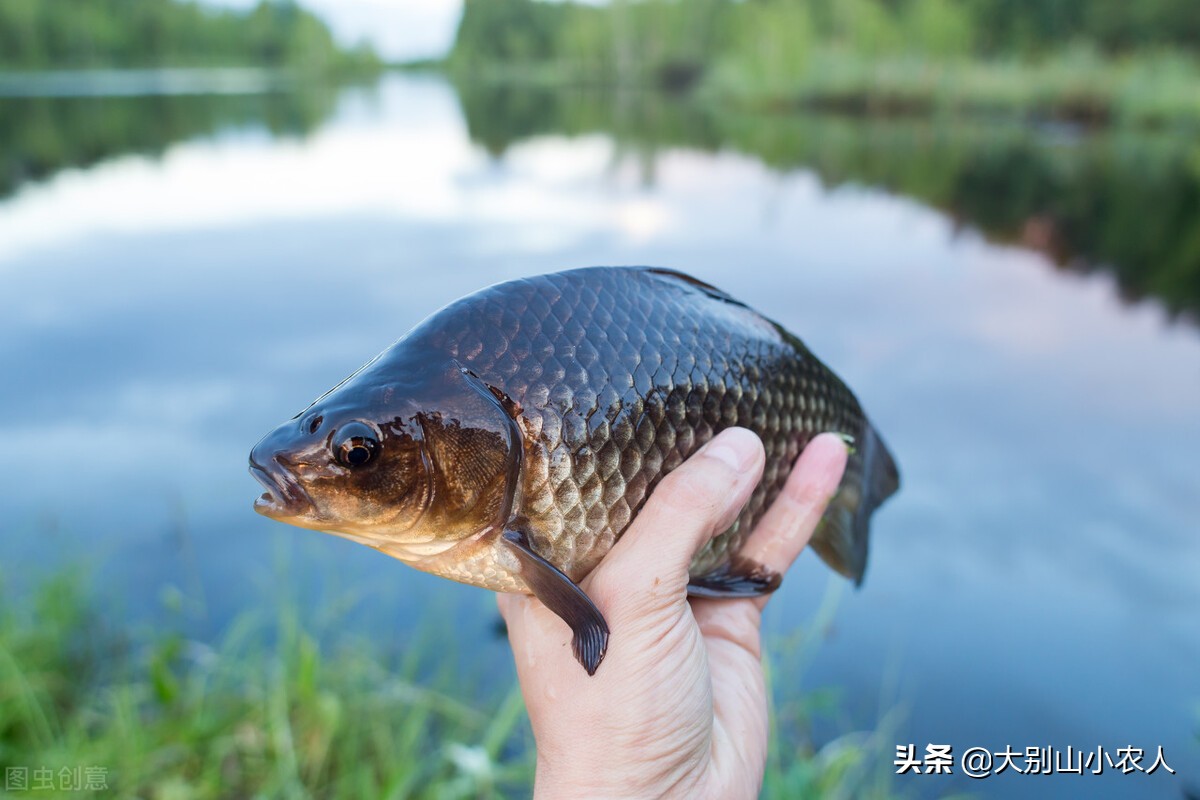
(621, 375)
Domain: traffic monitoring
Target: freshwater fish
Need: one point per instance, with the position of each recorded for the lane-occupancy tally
(509, 439)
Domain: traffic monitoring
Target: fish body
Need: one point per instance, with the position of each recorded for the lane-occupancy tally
(510, 439)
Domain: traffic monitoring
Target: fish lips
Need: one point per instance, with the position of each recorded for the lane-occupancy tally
(285, 497)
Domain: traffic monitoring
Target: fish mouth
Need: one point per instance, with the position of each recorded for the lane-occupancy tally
(283, 498)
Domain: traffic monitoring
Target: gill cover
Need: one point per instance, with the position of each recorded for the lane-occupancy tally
(409, 455)
(474, 448)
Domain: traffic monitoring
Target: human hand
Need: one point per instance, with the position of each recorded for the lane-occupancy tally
(679, 706)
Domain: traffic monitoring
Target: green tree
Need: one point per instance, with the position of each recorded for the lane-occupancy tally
(865, 26)
(770, 45)
(938, 28)
(58, 34)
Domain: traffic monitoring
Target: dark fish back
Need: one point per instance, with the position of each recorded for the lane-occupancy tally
(619, 374)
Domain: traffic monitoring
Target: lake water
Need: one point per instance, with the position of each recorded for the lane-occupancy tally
(179, 274)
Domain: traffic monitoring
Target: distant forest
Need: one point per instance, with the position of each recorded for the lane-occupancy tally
(528, 30)
(71, 34)
(1091, 60)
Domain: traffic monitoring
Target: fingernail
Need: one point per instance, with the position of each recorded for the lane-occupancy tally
(734, 447)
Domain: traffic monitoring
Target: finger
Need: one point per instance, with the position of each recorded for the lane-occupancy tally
(789, 523)
(699, 499)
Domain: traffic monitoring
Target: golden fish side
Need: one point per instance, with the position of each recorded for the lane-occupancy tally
(511, 438)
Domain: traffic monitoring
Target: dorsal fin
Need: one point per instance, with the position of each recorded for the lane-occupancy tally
(706, 288)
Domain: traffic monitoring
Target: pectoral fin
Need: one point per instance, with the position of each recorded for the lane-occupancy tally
(560, 594)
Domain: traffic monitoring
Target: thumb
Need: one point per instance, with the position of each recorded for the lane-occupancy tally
(696, 501)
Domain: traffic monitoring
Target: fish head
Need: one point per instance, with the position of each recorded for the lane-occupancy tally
(409, 458)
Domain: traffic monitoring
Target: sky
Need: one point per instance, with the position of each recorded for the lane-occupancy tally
(399, 29)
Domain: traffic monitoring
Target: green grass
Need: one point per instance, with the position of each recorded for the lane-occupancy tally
(275, 710)
(857, 765)
(266, 712)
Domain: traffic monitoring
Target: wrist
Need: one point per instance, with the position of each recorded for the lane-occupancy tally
(576, 781)
(586, 779)
(583, 781)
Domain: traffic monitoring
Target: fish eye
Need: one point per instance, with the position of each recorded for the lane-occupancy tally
(355, 445)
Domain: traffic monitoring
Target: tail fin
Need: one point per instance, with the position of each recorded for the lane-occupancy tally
(871, 477)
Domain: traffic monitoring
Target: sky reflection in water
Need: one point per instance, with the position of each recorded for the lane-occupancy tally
(1034, 583)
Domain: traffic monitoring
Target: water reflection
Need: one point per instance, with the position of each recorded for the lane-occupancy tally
(1123, 201)
(42, 135)
(1032, 584)
(1118, 201)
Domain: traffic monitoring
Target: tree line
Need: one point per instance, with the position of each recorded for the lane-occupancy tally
(68, 34)
(632, 34)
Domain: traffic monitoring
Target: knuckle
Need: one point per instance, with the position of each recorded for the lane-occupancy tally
(689, 493)
(807, 495)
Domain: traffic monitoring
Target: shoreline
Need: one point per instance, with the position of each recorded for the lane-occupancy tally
(1153, 91)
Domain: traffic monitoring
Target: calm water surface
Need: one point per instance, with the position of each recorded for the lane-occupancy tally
(1034, 583)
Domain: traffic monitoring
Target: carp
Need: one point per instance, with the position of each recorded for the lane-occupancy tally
(510, 438)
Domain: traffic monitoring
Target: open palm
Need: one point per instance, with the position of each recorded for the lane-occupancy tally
(679, 707)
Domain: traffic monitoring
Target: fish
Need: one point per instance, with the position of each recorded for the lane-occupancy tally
(510, 439)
